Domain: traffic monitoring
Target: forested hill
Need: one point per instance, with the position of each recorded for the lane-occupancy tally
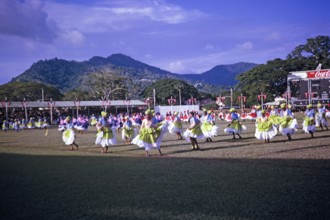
(221, 74)
(68, 75)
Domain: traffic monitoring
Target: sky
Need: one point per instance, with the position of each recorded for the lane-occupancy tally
(181, 36)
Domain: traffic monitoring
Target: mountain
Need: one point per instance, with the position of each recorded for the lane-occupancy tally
(221, 74)
(68, 75)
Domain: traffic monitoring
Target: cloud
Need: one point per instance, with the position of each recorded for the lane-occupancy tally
(157, 10)
(245, 46)
(74, 37)
(177, 67)
(209, 47)
(117, 15)
(274, 36)
(26, 19)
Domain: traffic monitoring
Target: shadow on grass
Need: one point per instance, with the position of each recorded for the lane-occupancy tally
(294, 139)
(88, 187)
(299, 149)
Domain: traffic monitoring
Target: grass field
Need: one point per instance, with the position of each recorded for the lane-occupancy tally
(228, 179)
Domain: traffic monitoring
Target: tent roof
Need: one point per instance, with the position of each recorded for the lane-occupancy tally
(117, 103)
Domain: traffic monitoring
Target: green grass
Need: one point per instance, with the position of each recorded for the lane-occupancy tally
(95, 187)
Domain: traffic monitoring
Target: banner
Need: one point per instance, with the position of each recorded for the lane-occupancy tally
(171, 101)
(51, 104)
(4, 103)
(242, 97)
(262, 96)
(321, 74)
(24, 104)
(310, 74)
(307, 94)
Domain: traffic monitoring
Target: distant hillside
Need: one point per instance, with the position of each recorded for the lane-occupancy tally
(222, 74)
(67, 75)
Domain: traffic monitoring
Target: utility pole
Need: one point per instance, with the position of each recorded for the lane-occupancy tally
(179, 87)
(154, 91)
(231, 97)
(42, 95)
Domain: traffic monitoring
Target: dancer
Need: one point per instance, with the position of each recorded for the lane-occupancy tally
(320, 119)
(194, 131)
(106, 134)
(30, 124)
(287, 123)
(68, 135)
(128, 131)
(93, 120)
(147, 137)
(176, 126)
(265, 129)
(208, 128)
(161, 127)
(5, 125)
(309, 122)
(234, 127)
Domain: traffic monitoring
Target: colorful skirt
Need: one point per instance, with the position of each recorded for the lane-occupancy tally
(209, 130)
(235, 127)
(106, 137)
(68, 136)
(288, 125)
(308, 125)
(175, 127)
(146, 139)
(195, 132)
(129, 133)
(265, 130)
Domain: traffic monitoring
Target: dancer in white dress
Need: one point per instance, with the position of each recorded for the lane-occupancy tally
(175, 126)
(208, 127)
(147, 137)
(106, 135)
(320, 119)
(68, 135)
(309, 121)
(194, 131)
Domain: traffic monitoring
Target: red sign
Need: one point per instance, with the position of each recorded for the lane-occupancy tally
(318, 74)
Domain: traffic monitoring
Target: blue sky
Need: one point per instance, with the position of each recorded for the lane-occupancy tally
(181, 36)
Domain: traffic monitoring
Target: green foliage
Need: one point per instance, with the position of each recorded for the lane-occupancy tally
(71, 75)
(211, 106)
(31, 91)
(271, 78)
(104, 85)
(316, 50)
(62, 74)
(77, 94)
(165, 88)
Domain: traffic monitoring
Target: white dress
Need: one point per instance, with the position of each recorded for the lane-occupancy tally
(68, 135)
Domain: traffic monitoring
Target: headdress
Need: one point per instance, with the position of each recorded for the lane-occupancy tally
(104, 114)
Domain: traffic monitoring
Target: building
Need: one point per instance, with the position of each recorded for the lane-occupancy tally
(311, 86)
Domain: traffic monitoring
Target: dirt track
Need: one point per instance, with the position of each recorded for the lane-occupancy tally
(301, 147)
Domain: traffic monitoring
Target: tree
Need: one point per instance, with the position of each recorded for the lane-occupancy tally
(165, 88)
(315, 51)
(77, 94)
(31, 91)
(104, 85)
(271, 78)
